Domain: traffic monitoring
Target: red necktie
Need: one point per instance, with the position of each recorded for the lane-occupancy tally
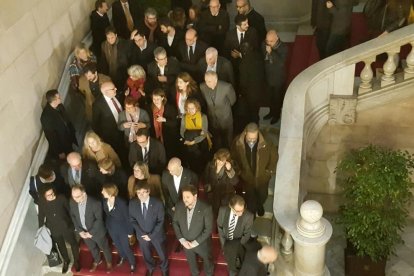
(116, 105)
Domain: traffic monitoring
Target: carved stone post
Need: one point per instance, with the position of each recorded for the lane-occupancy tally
(287, 244)
(366, 76)
(389, 68)
(409, 70)
(311, 236)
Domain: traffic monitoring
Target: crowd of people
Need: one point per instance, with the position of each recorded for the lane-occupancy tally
(172, 108)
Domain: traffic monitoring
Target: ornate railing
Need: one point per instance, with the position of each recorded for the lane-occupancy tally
(328, 92)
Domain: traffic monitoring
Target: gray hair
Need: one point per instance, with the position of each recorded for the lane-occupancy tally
(150, 11)
(211, 51)
(159, 51)
(211, 73)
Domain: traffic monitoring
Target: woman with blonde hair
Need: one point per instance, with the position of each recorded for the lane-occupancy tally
(141, 173)
(194, 133)
(220, 178)
(136, 82)
(96, 150)
(186, 88)
(82, 57)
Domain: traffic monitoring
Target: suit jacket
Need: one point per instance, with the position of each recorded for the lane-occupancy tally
(104, 124)
(142, 118)
(172, 69)
(257, 21)
(140, 57)
(153, 224)
(93, 218)
(219, 110)
(119, 73)
(117, 220)
(172, 50)
(243, 226)
(232, 41)
(201, 224)
(213, 29)
(119, 19)
(58, 129)
(224, 69)
(85, 89)
(170, 193)
(190, 65)
(156, 156)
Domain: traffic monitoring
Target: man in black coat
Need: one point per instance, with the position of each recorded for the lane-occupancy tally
(99, 22)
(193, 224)
(125, 15)
(172, 37)
(86, 213)
(275, 54)
(147, 217)
(58, 129)
(148, 150)
(163, 71)
(218, 64)
(140, 51)
(172, 180)
(256, 20)
(114, 61)
(234, 225)
(191, 51)
(149, 25)
(214, 24)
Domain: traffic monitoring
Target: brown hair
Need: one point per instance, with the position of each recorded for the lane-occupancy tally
(110, 188)
(141, 185)
(161, 93)
(129, 100)
(45, 171)
(192, 101)
(189, 188)
(192, 85)
(236, 199)
(222, 154)
(107, 164)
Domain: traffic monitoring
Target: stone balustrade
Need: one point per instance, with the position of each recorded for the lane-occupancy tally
(329, 92)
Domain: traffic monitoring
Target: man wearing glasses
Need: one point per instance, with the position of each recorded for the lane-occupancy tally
(163, 71)
(234, 225)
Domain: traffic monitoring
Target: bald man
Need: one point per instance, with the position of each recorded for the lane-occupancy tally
(256, 261)
(275, 53)
(256, 20)
(173, 179)
(78, 171)
(190, 52)
(105, 114)
(214, 24)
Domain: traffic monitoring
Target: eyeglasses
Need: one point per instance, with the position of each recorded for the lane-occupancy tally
(50, 194)
(163, 58)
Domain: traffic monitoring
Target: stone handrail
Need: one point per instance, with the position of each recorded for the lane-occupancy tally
(308, 97)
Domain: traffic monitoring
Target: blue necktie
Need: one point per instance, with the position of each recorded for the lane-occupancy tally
(144, 210)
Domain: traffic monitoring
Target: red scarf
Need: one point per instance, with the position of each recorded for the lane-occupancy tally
(134, 87)
(157, 125)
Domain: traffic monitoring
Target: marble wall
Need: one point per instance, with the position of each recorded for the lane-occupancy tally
(36, 37)
(390, 125)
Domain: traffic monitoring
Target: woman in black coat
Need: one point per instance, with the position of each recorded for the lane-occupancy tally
(114, 175)
(117, 223)
(54, 213)
(164, 123)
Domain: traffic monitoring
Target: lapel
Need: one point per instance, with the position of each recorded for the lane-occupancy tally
(196, 215)
(226, 221)
(70, 177)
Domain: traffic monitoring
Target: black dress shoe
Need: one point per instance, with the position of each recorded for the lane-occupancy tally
(268, 116)
(120, 262)
(65, 267)
(260, 211)
(179, 248)
(132, 269)
(149, 273)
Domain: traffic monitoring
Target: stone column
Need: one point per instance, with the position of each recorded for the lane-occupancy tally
(311, 236)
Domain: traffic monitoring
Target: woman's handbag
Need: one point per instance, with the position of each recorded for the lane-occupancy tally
(43, 240)
(53, 258)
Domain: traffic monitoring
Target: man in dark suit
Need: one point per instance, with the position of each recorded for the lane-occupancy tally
(148, 150)
(149, 25)
(193, 224)
(256, 261)
(173, 179)
(218, 64)
(105, 113)
(58, 129)
(191, 51)
(214, 24)
(220, 97)
(99, 22)
(234, 38)
(172, 37)
(256, 20)
(78, 171)
(147, 217)
(86, 214)
(140, 51)
(163, 71)
(114, 61)
(234, 225)
(125, 15)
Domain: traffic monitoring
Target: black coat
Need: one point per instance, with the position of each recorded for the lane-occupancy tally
(172, 69)
(117, 220)
(213, 29)
(58, 129)
(156, 156)
(120, 179)
(119, 74)
(224, 69)
(56, 215)
(257, 21)
(98, 25)
(252, 77)
(190, 65)
(140, 57)
(172, 51)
